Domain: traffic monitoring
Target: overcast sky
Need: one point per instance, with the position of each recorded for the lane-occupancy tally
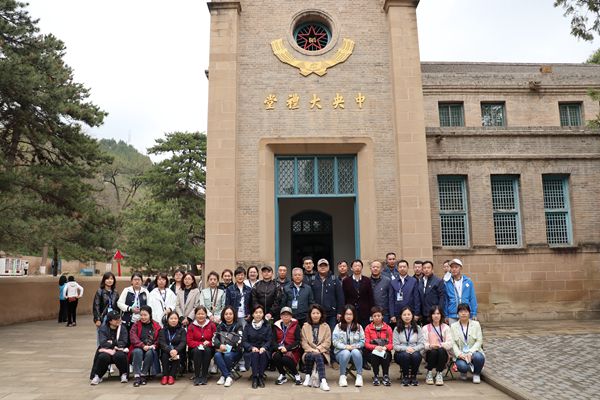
(144, 60)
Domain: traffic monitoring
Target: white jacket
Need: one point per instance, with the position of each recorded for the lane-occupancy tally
(72, 289)
(160, 302)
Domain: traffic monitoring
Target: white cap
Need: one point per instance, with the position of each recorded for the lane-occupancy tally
(456, 261)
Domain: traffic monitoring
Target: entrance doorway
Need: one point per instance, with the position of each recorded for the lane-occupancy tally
(312, 235)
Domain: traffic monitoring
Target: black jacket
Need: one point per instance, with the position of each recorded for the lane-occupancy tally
(257, 337)
(103, 300)
(329, 294)
(267, 295)
(362, 298)
(228, 335)
(108, 337)
(178, 341)
(434, 294)
(304, 297)
(233, 297)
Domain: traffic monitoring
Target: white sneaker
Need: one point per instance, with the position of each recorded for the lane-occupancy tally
(359, 381)
(221, 380)
(324, 386)
(476, 379)
(306, 380)
(463, 376)
(124, 378)
(429, 378)
(343, 382)
(111, 369)
(228, 381)
(96, 380)
(243, 368)
(439, 379)
(213, 369)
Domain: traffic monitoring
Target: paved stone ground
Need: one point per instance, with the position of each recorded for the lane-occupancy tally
(45, 360)
(546, 360)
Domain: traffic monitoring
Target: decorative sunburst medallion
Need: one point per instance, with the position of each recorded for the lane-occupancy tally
(312, 36)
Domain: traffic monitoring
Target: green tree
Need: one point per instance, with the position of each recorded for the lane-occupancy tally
(47, 162)
(585, 17)
(157, 237)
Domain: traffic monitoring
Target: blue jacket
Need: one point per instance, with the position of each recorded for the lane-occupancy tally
(233, 297)
(410, 296)
(304, 297)
(385, 271)
(468, 296)
(257, 337)
(381, 288)
(433, 295)
(329, 294)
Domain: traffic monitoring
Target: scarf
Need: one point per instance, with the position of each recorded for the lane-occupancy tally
(257, 325)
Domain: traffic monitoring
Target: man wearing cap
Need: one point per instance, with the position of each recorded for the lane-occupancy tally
(266, 293)
(327, 291)
(459, 290)
(431, 289)
(403, 292)
(390, 266)
(309, 270)
(298, 296)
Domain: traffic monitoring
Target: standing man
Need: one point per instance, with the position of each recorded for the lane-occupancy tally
(390, 266)
(309, 270)
(403, 292)
(298, 296)
(265, 293)
(342, 268)
(446, 269)
(359, 293)
(459, 290)
(418, 269)
(381, 286)
(327, 291)
(282, 278)
(431, 289)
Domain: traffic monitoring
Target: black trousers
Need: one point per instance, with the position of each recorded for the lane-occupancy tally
(258, 363)
(62, 311)
(104, 360)
(376, 362)
(72, 311)
(436, 358)
(202, 361)
(409, 362)
(169, 368)
(281, 362)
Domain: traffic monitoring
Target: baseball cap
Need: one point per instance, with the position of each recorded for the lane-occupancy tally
(266, 268)
(456, 261)
(323, 261)
(286, 310)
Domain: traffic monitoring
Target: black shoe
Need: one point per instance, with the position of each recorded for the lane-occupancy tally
(414, 381)
(144, 380)
(297, 382)
(282, 380)
(367, 366)
(386, 381)
(137, 381)
(261, 382)
(204, 380)
(375, 380)
(405, 381)
(254, 382)
(197, 381)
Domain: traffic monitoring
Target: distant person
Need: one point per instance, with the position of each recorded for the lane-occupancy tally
(114, 339)
(358, 292)
(226, 279)
(432, 290)
(251, 276)
(408, 345)
(438, 343)
(286, 346)
(342, 269)
(282, 277)
(390, 266)
(316, 341)
(105, 299)
(172, 341)
(381, 287)
(446, 270)
(348, 340)
(467, 341)
(62, 300)
(309, 270)
(227, 342)
(73, 292)
(378, 346)
(143, 338)
(328, 292)
(162, 300)
(418, 269)
(132, 299)
(256, 340)
(177, 280)
(213, 298)
(459, 290)
(188, 298)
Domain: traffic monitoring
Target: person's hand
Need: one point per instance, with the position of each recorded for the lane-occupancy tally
(348, 347)
(110, 352)
(136, 310)
(379, 348)
(447, 321)
(173, 353)
(255, 350)
(206, 343)
(393, 320)
(212, 318)
(262, 350)
(338, 317)
(222, 348)
(98, 323)
(268, 317)
(146, 348)
(282, 349)
(468, 358)
(410, 350)
(185, 322)
(434, 346)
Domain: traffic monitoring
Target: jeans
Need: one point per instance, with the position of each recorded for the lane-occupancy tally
(477, 359)
(332, 322)
(226, 360)
(409, 362)
(142, 361)
(344, 356)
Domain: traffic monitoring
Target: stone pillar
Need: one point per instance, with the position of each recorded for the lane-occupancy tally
(414, 229)
(221, 183)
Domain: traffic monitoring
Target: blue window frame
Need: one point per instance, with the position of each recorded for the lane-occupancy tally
(506, 210)
(559, 230)
(454, 222)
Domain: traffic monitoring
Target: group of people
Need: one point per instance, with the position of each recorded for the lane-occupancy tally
(318, 319)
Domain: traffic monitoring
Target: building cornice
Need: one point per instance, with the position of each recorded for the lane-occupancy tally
(224, 5)
(399, 3)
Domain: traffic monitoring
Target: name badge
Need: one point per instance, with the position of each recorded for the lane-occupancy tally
(294, 304)
(465, 349)
(399, 296)
(227, 348)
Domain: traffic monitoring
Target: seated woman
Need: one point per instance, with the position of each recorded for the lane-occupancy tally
(438, 341)
(286, 345)
(316, 340)
(467, 340)
(113, 349)
(227, 343)
(172, 340)
(257, 342)
(144, 345)
(408, 344)
(348, 340)
(378, 346)
(199, 340)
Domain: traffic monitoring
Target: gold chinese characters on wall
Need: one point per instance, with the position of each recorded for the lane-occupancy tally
(294, 101)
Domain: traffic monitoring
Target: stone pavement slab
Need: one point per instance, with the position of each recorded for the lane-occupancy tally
(46, 360)
(545, 359)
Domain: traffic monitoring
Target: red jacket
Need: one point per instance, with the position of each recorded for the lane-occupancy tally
(372, 334)
(197, 335)
(291, 340)
(136, 331)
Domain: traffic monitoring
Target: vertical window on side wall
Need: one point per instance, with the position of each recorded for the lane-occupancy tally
(506, 210)
(570, 114)
(493, 114)
(454, 223)
(451, 114)
(557, 208)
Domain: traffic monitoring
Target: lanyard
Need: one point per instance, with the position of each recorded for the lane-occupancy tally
(136, 300)
(458, 295)
(284, 329)
(213, 297)
(408, 335)
(171, 337)
(438, 333)
(296, 292)
(164, 296)
(465, 334)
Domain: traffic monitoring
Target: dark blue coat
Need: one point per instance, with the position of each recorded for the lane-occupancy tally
(410, 296)
(233, 296)
(329, 294)
(257, 337)
(432, 295)
(381, 292)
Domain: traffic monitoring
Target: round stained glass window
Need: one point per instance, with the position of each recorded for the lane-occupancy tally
(312, 36)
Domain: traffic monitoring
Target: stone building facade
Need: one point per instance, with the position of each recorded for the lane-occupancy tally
(324, 139)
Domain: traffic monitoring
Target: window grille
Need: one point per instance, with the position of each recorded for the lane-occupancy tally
(492, 114)
(451, 114)
(453, 211)
(570, 114)
(505, 203)
(557, 210)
